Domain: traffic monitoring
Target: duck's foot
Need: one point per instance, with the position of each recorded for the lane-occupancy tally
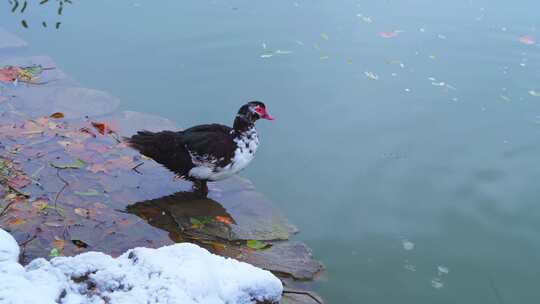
(200, 186)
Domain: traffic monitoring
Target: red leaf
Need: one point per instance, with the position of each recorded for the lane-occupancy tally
(105, 128)
(18, 181)
(224, 219)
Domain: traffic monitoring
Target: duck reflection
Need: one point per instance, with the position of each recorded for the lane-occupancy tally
(186, 216)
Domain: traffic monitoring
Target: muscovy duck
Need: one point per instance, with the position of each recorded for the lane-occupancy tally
(208, 152)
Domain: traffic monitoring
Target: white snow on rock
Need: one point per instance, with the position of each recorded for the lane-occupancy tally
(180, 273)
(9, 249)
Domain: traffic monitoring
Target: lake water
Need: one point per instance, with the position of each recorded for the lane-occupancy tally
(407, 135)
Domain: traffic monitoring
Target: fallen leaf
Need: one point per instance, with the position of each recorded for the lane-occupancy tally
(40, 205)
(79, 243)
(10, 197)
(57, 115)
(18, 181)
(15, 221)
(54, 253)
(58, 244)
(257, 245)
(9, 74)
(224, 219)
(77, 164)
(103, 128)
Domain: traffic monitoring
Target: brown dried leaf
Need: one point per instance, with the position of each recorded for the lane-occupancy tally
(15, 221)
(57, 115)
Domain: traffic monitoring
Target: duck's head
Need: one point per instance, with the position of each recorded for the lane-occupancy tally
(253, 111)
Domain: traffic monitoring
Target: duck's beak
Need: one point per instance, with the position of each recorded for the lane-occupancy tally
(265, 115)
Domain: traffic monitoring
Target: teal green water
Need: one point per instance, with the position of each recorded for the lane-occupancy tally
(418, 187)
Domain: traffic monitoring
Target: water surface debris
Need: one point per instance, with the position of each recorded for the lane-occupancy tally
(371, 75)
(527, 40)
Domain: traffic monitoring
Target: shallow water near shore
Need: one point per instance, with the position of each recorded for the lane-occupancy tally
(406, 138)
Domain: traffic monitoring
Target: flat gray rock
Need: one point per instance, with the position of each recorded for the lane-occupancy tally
(9, 40)
(252, 215)
(80, 102)
(289, 258)
(129, 122)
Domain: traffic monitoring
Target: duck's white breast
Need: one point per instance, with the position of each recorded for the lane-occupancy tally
(245, 152)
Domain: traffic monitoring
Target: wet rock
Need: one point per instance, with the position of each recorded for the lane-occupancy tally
(74, 102)
(129, 122)
(289, 258)
(299, 292)
(81, 102)
(8, 40)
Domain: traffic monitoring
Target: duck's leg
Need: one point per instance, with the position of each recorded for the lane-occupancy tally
(200, 187)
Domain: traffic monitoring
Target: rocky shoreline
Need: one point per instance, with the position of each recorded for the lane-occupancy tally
(74, 187)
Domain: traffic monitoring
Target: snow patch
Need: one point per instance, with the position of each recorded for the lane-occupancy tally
(180, 273)
(9, 249)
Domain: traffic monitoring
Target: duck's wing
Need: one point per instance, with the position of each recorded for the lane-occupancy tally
(165, 147)
(210, 145)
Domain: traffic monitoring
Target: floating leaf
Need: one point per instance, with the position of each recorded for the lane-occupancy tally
(57, 115)
(77, 164)
(390, 34)
(527, 39)
(257, 245)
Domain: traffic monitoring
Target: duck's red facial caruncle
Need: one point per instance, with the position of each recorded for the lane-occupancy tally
(261, 111)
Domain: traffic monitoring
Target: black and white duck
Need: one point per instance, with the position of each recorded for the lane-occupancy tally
(209, 152)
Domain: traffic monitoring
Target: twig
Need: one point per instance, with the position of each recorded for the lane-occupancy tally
(495, 291)
(137, 166)
(66, 184)
(24, 243)
(6, 208)
(305, 293)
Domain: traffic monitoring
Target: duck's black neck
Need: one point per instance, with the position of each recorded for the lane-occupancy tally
(242, 124)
